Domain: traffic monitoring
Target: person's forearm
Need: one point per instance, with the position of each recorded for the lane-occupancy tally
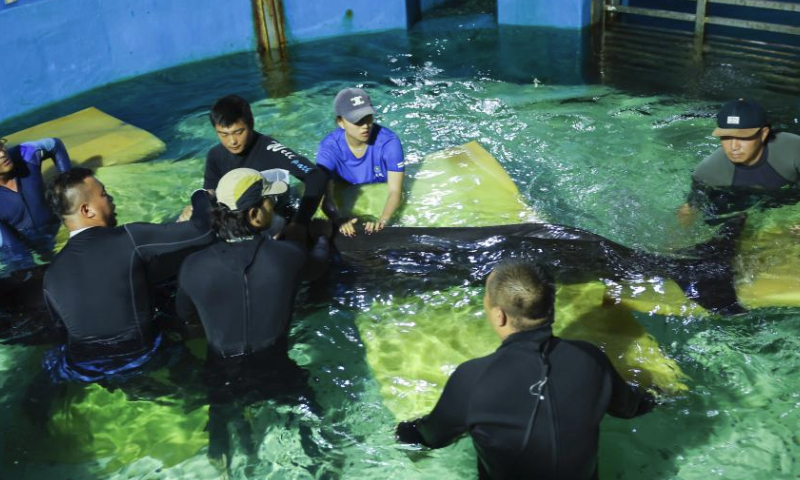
(393, 201)
(315, 184)
(61, 157)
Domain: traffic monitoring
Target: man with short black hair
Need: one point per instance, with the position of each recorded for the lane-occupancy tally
(242, 147)
(751, 159)
(99, 284)
(533, 407)
(26, 222)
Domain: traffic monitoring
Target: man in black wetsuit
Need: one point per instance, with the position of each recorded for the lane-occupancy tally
(242, 147)
(99, 285)
(752, 164)
(533, 407)
(243, 290)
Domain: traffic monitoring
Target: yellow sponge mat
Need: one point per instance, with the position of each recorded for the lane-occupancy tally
(461, 186)
(94, 139)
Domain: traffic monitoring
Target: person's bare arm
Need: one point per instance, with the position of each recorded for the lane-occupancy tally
(394, 198)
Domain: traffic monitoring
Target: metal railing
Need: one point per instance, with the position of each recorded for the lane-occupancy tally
(701, 19)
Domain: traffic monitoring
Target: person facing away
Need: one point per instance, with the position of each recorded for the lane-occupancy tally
(360, 152)
(26, 222)
(752, 159)
(243, 290)
(242, 147)
(99, 285)
(533, 407)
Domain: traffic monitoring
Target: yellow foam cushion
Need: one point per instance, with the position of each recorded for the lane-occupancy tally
(458, 186)
(94, 139)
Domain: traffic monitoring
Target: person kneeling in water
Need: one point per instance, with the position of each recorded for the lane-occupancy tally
(361, 152)
(243, 290)
(533, 407)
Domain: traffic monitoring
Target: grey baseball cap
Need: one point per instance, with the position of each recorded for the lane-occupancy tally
(353, 104)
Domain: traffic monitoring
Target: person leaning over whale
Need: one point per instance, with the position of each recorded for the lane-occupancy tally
(533, 407)
(243, 289)
(99, 285)
(241, 146)
(360, 152)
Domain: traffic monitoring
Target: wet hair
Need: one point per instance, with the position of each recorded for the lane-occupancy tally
(229, 110)
(61, 194)
(229, 225)
(523, 291)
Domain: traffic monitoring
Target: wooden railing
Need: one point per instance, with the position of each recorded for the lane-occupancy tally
(701, 19)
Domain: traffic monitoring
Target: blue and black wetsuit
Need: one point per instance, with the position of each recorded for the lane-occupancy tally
(26, 221)
(519, 435)
(99, 287)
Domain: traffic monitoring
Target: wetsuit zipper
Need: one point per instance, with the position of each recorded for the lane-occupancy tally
(553, 429)
(246, 313)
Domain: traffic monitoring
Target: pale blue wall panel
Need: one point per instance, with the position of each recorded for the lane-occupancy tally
(314, 19)
(58, 48)
(545, 13)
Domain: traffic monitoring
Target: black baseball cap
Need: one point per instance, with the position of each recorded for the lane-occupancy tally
(740, 118)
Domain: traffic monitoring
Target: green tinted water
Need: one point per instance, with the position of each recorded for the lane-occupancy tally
(611, 161)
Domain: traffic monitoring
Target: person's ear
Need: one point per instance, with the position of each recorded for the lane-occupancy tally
(764, 134)
(339, 122)
(86, 211)
(252, 217)
(498, 317)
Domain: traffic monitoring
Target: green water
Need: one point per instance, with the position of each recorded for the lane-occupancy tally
(612, 161)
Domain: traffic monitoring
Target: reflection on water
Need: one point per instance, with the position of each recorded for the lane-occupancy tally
(582, 154)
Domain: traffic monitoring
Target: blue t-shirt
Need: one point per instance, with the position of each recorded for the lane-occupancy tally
(384, 154)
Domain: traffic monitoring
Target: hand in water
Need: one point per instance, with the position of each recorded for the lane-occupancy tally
(348, 228)
(686, 215)
(186, 214)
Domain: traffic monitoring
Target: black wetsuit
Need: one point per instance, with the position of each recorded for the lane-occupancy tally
(244, 294)
(490, 398)
(99, 285)
(265, 153)
(244, 291)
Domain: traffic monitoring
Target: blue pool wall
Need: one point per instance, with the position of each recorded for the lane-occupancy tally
(560, 14)
(60, 48)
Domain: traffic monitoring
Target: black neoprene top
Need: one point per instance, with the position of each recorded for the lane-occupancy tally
(98, 286)
(490, 398)
(266, 153)
(244, 291)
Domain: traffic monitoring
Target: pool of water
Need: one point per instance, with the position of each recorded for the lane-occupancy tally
(611, 159)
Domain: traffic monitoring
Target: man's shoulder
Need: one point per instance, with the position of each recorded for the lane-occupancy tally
(786, 142)
(216, 153)
(710, 168)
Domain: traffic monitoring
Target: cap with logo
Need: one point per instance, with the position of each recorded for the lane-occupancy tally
(243, 188)
(740, 118)
(353, 104)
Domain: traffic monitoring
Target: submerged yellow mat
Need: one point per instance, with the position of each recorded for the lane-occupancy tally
(94, 139)
(413, 344)
(461, 186)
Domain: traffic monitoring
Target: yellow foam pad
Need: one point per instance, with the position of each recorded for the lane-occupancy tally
(415, 344)
(94, 139)
(458, 186)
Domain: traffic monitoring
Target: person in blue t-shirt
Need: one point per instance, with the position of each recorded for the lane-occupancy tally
(361, 152)
(26, 222)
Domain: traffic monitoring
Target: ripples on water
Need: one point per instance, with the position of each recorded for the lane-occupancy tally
(583, 155)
